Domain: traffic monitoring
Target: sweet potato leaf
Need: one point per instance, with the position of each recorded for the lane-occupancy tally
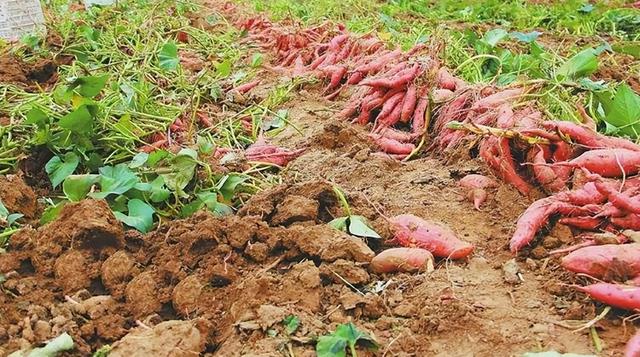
(582, 64)
(79, 121)
(76, 187)
(115, 180)
(88, 86)
(358, 226)
(58, 168)
(622, 111)
(140, 215)
(291, 323)
(168, 57)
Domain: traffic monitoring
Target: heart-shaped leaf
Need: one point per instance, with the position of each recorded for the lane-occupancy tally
(140, 215)
(89, 86)
(115, 180)
(168, 56)
(59, 168)
(76, 187)
(79, 121)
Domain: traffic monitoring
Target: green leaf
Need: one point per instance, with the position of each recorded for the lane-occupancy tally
(224, 68)
(159, 192)
(178, 171)
(78, 121)
(89, 86)
(291, 323)
(37, 117)
(331, 346)
(526, 37)
(350, 332)
(588, 84)
(586, 8)
(256, 60)
(623, 111)
(59, 168)
(115, 180)
(12, 218)
(31, 40)
(493, 37)
(52, 212)
(138, 160)
(62, 343)
(339, 223)
(228, 184)
(191, 208)
(358, 226)
(582, 64)
(168, 56)
(140, 215)
(76, 187)
(629, 48)
(157, 156)
(4, 212)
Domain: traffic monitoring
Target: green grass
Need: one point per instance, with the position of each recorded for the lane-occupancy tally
(123, 84)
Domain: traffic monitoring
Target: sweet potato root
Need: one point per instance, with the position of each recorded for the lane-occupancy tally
(633, 346)
(402, 260)
(601, 260)
(616, 295)
(530, 222)
(441, 241)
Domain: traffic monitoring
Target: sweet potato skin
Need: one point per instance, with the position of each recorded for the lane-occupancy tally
(633, 346)
(599, 261)
(439, 240)
(617, 295)
(406, 260)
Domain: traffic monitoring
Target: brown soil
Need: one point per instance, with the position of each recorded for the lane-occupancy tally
(13, 70)
(17, 197)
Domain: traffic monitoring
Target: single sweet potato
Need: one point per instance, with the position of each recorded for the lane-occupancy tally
(406, 260)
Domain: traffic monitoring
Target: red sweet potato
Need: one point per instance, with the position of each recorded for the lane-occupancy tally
(409, 104)
(534, 218)
(401, 136)
(473, 181)
(442, 95)
(413, 231)
(607, 162)
(392, 146)
(418, 120)
(601, 260)
(445, 80)
(620, 200)
(244, 88)
(630, 221)
(497, 99)
(589, 138)
(616, 295)
(582, 222)
(477, 196)
(402, 260)
(585, 195)
(545, 175)
(390, 104)
(497, 154)
(633, 346)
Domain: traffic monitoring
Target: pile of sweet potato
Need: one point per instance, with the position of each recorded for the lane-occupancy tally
(589, 176)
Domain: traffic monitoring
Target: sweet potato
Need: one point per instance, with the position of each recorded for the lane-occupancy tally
(445, 80)
(616, 295)
(633, 346)
(589, 138)
(473, 181)
(390, 105)
(402, 260)
(607, 162)
(497, 99)
(545, 175)
(244, 88)
(392, 146)
(585, 195)
(586, 223)
(418, 120)
(620, 200)
(409, 104)
(534, 218)
(601, 260)
(412, 231)
(442, 95)
(401, 136)
(630, 221)
(497, 154)
(477, 196)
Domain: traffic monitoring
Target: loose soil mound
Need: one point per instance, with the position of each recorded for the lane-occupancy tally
(13, 70)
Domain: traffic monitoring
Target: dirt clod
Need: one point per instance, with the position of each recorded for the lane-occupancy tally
(168, 339)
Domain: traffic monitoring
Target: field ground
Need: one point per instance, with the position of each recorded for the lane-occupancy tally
(128, 114)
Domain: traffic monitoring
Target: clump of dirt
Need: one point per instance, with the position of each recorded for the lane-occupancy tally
(17, 197)
(14, 70)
